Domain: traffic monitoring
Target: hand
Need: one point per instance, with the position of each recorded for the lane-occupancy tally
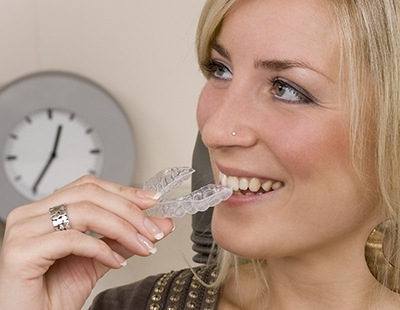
(45, 269)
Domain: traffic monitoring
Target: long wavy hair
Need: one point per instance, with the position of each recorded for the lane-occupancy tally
(369, 40)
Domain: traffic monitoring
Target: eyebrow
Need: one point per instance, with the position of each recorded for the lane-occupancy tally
(220, 49)
(285, 64)
(272, 64)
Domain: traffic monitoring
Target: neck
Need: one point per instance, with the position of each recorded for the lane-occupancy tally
(340, 282)
(328, 285)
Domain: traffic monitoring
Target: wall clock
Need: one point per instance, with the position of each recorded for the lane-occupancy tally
(54, 128)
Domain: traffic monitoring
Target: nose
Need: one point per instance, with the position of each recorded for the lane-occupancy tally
(225, 118)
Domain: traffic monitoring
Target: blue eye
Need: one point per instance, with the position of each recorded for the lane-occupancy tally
(284, 91)
(216, 69)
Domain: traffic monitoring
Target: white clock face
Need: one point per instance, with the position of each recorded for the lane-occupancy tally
(48, 149)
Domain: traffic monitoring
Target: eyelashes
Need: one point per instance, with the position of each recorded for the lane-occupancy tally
(216, 69)
(287, 91)
(280, 88)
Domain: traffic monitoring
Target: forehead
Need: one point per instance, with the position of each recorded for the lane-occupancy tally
(300, 29)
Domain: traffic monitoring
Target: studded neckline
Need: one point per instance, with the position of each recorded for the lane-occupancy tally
(183, 290)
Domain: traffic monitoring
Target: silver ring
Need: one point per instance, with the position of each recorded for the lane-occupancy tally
(59, 217)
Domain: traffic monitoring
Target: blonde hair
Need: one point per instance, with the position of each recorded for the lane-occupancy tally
(369, 36)
(369, 31)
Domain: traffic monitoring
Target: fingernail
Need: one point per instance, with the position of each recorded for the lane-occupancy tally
(147, 194)
(120, 259)
(173, 227)
(147, 244)
(153, 229)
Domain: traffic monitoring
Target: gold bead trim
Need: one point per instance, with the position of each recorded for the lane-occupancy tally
(183, 290)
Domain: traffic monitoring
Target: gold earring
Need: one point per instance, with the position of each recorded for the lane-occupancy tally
(380, 250)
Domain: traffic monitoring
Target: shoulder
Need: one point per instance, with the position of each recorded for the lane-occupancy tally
(182, 289)
(129, 296)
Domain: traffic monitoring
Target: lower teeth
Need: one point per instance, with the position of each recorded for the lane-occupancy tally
(247, 192)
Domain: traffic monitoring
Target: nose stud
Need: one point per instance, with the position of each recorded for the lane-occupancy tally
(233, 133)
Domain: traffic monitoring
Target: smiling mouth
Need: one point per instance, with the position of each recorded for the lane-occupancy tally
(249, 186)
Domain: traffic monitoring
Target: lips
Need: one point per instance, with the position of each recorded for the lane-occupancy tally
(249, 186)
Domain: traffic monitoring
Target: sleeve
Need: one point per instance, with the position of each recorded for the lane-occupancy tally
(133, 296)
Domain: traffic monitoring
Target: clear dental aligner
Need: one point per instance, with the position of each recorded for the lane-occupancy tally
(199, 200)
(168, 179)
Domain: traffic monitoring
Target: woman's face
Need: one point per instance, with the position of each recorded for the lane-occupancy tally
(271, 116)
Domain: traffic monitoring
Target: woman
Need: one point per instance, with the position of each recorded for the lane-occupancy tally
(300, 114)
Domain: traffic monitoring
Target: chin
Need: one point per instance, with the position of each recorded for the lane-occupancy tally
(252, 239)
(235, 239)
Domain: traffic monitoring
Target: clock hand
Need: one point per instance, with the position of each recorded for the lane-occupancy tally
(53, 155)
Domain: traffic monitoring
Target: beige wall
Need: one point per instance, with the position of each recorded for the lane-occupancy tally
(142, 52)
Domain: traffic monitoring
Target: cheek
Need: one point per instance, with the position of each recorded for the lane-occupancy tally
(204, 107)
(200, 114)
(312, 146)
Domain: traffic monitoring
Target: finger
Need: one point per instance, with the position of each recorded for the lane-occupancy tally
(121, 234)
(44, 251)
(144, 198)
(138, 235)
(104, 198)
(119, 248)
(90, 194)
(93, 192)
(85, 216)
(91, 216)
(96, 192)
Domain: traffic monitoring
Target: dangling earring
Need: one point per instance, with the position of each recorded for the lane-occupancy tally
(380, 248)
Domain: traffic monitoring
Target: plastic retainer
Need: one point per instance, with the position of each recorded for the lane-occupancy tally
(199, 200)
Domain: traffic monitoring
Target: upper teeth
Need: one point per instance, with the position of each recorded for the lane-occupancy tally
(253, 184)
